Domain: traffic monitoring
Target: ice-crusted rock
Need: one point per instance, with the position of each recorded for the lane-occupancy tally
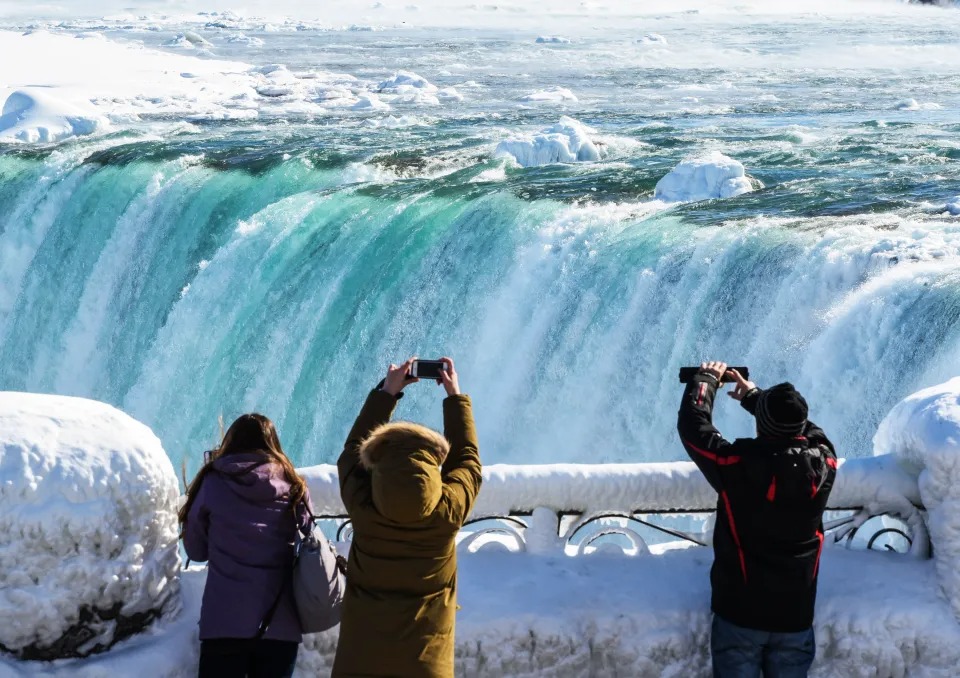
(704, 177)
(554, 95)
(923, 431)
(567, 141)
(553, 40)
(88, 527)
(33, 116)
(406, 79)
(953, 207)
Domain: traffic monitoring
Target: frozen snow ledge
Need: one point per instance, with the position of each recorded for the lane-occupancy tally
(704, 177)
(88, 529)
(31, 115)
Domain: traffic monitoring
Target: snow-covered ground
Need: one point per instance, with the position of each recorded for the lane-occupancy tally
(605, 613)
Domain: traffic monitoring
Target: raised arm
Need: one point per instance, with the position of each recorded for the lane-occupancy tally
(376, 410)
(461, 469)
(701, 439)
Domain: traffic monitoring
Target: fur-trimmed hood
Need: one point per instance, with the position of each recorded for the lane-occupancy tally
(404, 461)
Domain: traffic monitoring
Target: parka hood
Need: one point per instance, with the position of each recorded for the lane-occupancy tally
(253, 476)
(404, 462)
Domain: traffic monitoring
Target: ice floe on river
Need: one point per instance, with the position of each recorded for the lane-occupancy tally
(567, 141)
(704, 177)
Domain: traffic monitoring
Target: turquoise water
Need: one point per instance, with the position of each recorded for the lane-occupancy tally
(279, 265)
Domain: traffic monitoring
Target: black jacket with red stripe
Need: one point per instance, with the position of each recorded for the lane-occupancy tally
(769, 529)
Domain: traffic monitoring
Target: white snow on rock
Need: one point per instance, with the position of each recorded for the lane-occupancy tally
(923, 431)
(88, 521)
(554, 95)
(567, 141)
(369, 101)
(32, 115)
(703, 177)
(653, 39)
(953, 207)
(404, 79)
(553, 40)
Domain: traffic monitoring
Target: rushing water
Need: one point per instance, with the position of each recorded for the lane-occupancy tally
(182, 272)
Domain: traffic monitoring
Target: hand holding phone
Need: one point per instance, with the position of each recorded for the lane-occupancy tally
(687, 374)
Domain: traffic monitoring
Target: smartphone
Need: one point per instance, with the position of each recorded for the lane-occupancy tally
(427, 369)
(686, 373)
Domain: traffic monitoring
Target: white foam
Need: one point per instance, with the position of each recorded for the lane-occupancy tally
(704, 177)
(554, 95)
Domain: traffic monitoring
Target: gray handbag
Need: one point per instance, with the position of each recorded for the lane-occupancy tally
(318, 581)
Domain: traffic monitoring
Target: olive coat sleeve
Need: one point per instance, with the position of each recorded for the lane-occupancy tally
(461, 469)
(354, 479)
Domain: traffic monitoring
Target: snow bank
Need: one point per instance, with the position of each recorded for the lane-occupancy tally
(88, 529)
(567, 141)
(32, 115)
(704, 177)
(923, 431)
(555, 95)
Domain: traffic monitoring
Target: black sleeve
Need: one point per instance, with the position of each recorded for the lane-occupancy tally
(702, 441)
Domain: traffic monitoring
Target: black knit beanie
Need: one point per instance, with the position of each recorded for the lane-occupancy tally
(781, 411)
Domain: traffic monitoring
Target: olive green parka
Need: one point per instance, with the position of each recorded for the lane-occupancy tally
(401, 598)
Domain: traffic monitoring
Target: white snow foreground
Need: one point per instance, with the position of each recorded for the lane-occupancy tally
(567, 141)
(88, 529)
(704, 177)
(31, 115)
(543, 613)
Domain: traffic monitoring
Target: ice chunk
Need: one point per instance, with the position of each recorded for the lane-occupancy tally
(554, 95)
(567, 141)
(404, 79)
(653, 39)
(953, 207)
(368, 101)
(914, 105)
(32, 115)
(88, 527)
(704, 177)
(553, 40)
(449, 94)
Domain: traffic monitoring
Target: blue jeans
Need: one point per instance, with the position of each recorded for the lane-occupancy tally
(746, 653)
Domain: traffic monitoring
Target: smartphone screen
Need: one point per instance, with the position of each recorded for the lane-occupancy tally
(427, 369)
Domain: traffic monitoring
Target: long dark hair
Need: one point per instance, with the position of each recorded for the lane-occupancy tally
(249, 433)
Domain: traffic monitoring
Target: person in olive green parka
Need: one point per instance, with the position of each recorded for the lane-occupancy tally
(408, 491)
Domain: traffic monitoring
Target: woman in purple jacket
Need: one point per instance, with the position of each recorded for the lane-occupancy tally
(241, 514)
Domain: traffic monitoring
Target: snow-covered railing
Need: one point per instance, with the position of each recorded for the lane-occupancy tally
(569, 507)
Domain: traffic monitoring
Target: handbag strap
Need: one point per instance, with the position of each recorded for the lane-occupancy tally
(268, 617)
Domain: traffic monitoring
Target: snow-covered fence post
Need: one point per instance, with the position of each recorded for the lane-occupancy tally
(88, 527)
(923, 432)
(543, 533)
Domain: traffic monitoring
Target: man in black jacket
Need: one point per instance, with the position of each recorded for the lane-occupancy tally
(769, 529)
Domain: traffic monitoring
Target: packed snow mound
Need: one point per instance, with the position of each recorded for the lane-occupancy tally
(33, 116)
(704, 177)
(555, 95)
(88, 526)
(953, 207)
(567, 141)
(653, 39)
(923, 431)
(404, 79)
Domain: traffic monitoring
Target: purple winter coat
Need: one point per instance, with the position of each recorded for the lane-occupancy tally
(241, 523)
